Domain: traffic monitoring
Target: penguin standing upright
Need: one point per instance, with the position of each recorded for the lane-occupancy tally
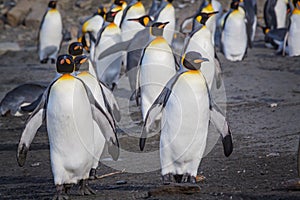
(275, 13)
(134, 9)
(108, 69)
(234, 38)
(157, 66)
(50, 34)
(184, 103)
(166, 13)
(69, 109)
(293, 34)
(200, 40)
(90, 28)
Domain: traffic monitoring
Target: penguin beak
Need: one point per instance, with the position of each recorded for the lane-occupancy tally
(213, 13)
(200, 60)
(134, 20)
(163, 25)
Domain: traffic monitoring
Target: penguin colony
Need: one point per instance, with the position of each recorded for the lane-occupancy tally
(81, 111)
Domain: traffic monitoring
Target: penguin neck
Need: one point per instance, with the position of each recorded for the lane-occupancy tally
(66, 76)
(296, 11)
(52, 10)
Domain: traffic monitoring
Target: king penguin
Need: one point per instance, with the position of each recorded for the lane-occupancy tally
(123, 5)
(90, 28)
(75, 49)
(200, 40)
(157, 66)
(108, 69)
(275, 13)
(184, 104)
(50, 34)
(166, 13)
(69, 108)
(293, 35)
(234, 40)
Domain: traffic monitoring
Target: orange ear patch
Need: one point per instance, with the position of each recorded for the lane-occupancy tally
(146, 20)
(83, 61)
(62, 62)
(76, 47)
(198, 61)
(68, 61)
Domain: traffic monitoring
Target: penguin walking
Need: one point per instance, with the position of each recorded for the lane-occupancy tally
(50, 34)
(166, 13)
(234, 38)
(157, 66)
(90, 28)
(108, 69)
(200, 40)
(184, 103)
(69, 109)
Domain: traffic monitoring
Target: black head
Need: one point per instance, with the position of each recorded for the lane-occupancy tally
(192, 60)
(203, 17)
(110, 16)
(101, 11)
(157, 28)
(144, 20)
(79, 60)
(52, 4)
(119, 2)
(65, 64)
(235, 4)
(170, 1)
(76, 48)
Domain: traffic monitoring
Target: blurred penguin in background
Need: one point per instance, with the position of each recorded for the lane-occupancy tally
(50, 34)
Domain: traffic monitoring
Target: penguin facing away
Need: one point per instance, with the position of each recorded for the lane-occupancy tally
(184, 104)
(157, 66)
(50, 34)
(69, 110)
(234, 38)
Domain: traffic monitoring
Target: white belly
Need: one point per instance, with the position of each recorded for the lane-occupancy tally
(157, 68)
(71, 132)
(280, 10)
(234, 37)
(184, 126)
(294, 36)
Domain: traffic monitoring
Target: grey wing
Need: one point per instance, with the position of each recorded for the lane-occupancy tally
(277, 34)
(121, 46)
(157, 108)
(32, 125)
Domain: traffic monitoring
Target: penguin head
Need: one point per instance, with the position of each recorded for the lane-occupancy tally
(76, 48)
(79, 60)
(202, 17)
(119, 2)
(170, 1)
(235, 4)
(65, 64)
(52, 4)
(110, 16)
(144, 20)
(157, 28)
(101, 11)
(192, 60)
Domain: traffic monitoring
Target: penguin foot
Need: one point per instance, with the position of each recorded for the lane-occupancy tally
(113, 86)
(60, 195)
(22, 154)
(227, 145)
(84, 189)
(92, 175)
(44, 61)
(187, 178)
(168, 179)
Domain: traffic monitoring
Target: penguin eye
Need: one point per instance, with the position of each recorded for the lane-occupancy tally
(62, 61)
(68, 61)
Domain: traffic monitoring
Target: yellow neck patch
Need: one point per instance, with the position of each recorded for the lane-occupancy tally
(193, 72)
(208, 8)
(53, 10)
(296, 11)
(66, 77)
(158, 40)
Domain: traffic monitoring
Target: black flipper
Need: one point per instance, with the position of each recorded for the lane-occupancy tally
(157, 107)
(33, 105)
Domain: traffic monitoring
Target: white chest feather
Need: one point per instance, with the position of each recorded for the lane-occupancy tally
(294, 35)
